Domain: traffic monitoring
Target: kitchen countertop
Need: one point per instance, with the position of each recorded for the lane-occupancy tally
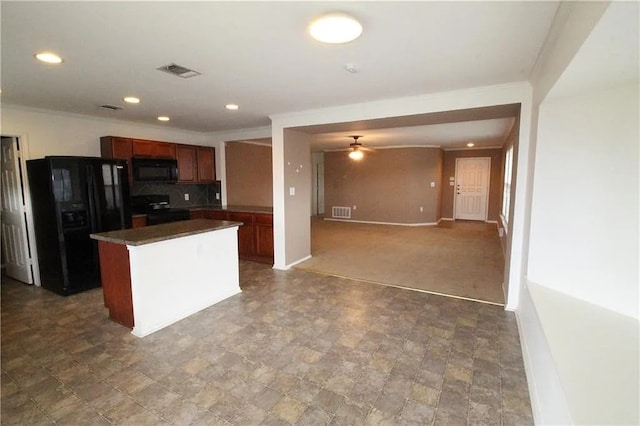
(235, 208)
(163, 232)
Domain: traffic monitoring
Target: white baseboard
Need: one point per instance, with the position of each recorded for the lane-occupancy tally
(371, 222)
(291, 265)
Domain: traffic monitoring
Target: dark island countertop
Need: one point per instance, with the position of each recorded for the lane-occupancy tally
(236, 208)
(162, 232)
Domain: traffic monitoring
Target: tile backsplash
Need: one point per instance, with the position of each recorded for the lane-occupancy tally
(199, 194)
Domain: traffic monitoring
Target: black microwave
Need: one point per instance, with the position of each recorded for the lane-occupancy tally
(154, 170)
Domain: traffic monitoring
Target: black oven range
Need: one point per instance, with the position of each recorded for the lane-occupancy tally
(157, 208)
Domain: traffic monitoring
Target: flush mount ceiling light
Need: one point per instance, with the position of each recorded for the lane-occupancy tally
(232, 107)
(132, 100)
(163, 118)
(470, 144)
(335, 28)
(48, 57)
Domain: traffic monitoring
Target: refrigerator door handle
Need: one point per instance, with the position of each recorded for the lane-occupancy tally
(120, 172)
(94, 206)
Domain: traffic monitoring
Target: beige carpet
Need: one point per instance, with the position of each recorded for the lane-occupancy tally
(461, 259)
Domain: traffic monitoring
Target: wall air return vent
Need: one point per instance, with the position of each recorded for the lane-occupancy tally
(341, 212)
(111, 107)
(179, 71)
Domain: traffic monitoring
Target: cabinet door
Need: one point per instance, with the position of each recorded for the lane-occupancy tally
(245, 233)
(187, 163)
(142, 148)
(206, 164)
(164, 150)
(120, 148)
(264, 235)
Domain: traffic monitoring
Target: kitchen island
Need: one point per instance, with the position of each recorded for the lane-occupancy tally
(157, 275)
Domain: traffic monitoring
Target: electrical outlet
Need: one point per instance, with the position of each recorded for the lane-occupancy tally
(421, 209)
(186, 197)
(355, 207)
(217, 196)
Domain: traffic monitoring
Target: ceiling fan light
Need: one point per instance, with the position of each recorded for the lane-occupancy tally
(335, 28)
(356, 155)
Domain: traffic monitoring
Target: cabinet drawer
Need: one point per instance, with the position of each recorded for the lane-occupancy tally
(197, 214)
(264, 219)
(138, 221)
(217, 215)
(245, 218)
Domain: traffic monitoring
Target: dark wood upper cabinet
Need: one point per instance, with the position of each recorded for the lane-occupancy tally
(196, 164)
(187, 163)
(206, 164)
(165, 150)
(114, 147)
(145, 148)
(120, 148)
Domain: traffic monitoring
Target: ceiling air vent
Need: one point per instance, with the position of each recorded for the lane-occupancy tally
(179, 71)
(111, 107)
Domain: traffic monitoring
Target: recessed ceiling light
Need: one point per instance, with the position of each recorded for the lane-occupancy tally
(231, 106)
(470, 144)
(48, 57)
(335, 28)
(163, 118)
(132, 100)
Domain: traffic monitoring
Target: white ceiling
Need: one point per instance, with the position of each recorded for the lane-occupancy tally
(609, 57)
(258, 55)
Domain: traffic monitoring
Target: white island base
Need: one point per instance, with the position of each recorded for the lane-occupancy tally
(155, 276)
(173, 279)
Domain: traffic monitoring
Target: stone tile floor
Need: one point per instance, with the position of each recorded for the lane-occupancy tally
(293, 348)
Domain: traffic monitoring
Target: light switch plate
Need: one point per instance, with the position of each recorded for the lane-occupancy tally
(292, 190)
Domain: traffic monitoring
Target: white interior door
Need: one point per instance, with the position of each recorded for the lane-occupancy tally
(471, 199)
(15, 245)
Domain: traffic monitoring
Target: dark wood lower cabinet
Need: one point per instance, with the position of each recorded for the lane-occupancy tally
(116, 282)
(264, 235)
(197, 214)
(245, 233)
(255, 236)
(138, 221)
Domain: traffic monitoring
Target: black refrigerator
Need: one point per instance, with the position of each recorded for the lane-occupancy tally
(71, 198)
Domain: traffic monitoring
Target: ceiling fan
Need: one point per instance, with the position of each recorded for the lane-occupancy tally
(356, 152)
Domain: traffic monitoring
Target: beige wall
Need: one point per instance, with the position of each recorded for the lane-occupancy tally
(388, 185)
(495, 184)
(249, 176)
(297, 193)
